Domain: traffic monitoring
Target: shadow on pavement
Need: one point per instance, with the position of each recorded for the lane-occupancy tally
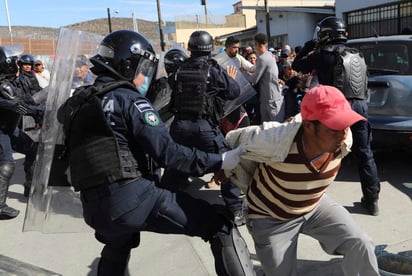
(393, 167)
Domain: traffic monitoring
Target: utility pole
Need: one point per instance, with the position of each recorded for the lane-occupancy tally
(109, 20)
(135, 26)
(267, 23)
(203, 3)
(162, 42)
(8, 20)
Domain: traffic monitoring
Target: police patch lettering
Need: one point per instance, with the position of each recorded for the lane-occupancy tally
(151, 118)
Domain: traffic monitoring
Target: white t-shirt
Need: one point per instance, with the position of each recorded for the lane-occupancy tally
(43, 78)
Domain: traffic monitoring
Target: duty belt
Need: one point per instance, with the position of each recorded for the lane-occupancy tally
(191, 116)
(103, 191)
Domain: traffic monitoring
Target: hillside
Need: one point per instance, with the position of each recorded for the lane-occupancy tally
(98, 26)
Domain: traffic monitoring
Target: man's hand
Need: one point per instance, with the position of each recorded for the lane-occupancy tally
(220, 177)
(231, 71)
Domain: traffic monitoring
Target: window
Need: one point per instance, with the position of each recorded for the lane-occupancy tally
(394, 56)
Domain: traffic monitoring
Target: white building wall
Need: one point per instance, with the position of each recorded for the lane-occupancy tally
(297, 27)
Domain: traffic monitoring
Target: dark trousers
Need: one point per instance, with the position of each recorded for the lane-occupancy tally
(23, 144)
(19, 142)
(361, 149)
(200, 134)
(6, 151)
(118, 213)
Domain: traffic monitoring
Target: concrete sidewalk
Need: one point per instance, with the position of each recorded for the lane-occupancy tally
(74, 254)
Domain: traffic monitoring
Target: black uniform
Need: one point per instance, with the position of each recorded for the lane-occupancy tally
(120, 201)
(28, 85)
(28, 82)
(194, 124)
(322, 61)
(12, 106)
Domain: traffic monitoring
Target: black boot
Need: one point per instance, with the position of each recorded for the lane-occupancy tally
(113, 261)
(7, 212)
(371, 205)
(6, 172)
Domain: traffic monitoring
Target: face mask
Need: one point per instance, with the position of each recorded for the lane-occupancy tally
(144, 87)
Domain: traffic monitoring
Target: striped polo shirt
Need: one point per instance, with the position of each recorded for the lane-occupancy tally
(290, 189)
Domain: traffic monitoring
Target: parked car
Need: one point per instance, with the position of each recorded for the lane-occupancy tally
(389, 60)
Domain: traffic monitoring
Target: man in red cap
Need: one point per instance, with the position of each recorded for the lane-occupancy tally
(293, 164)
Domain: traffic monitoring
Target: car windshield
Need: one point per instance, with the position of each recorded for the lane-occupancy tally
(388, 57)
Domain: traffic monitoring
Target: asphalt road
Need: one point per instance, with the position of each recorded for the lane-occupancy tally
(74, 254)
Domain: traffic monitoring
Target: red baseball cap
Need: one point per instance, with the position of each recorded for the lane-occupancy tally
(328, 105)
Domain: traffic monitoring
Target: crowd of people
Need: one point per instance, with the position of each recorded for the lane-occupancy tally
(273, 156)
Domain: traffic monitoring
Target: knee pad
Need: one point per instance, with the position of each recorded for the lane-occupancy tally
(232, 257)
(6, 171)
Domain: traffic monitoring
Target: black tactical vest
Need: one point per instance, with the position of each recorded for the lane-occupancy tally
(190, 97)
(94, 155)
(9, 119)
(350, 73)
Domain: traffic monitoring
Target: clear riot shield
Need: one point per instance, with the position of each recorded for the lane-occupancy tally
(246, 89)
(159, 97)
(53, 205)
(162, 97)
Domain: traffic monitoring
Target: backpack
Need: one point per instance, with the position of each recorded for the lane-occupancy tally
(350, 73)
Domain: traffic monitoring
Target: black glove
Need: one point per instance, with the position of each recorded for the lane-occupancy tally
(20, 108)
(307, 47)
(35, 111)
(310, 45)
(38, 117)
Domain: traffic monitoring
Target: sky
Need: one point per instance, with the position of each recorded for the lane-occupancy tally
(59, 13)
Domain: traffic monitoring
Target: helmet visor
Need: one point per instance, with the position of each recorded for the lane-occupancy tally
(13, 50)
(145, 71)
(143, 61)
(147, 61)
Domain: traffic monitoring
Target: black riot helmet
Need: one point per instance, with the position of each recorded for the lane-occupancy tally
(200, 41)
(125, 54)
(173, 59)
(26, 59)
(8, 60)
(331, 30)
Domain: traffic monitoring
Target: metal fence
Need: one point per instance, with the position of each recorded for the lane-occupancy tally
(389, 19)
(210, 21)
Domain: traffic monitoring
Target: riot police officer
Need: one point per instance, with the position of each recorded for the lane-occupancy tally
(160, 92)
(111, 129)
(198, 86)
(12, 106)
(173, 59)
(27, 79)
(320, 57)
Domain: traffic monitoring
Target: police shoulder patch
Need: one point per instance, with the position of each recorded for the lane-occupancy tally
(151, 118)
(142, 105)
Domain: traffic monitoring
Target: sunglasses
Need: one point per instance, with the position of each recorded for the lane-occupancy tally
(37, 64)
